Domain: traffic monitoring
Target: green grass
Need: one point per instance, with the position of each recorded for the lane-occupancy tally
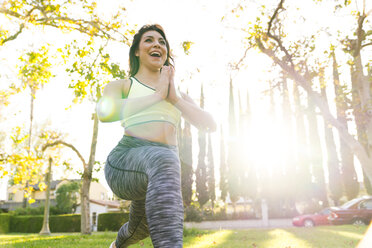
(318, 237)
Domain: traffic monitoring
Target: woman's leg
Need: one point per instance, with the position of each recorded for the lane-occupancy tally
(151, 172)
(136, 228)
(164, 208)
(128, 181)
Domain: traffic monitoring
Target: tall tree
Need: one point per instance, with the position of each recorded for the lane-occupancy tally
(186, 164)
(34, 72)
(210, 173)
(201, 170)
(90, 71)
(333, 164)
(302, 155)
(349, 176)
(316, 156)
(223, 169)
(233, 166)
(248, 175)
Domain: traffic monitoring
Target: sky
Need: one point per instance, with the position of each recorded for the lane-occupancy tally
(217, 41)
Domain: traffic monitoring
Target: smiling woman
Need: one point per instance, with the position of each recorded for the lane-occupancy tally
(144, 167)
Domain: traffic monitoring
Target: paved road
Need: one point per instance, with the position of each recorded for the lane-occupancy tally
(240, 224)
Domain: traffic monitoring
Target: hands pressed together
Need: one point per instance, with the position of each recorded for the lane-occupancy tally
(166, 88)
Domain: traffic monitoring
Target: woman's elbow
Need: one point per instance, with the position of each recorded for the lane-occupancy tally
(212, 127)
(105, 110)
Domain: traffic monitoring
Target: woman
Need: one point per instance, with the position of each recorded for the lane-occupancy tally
(144, 167)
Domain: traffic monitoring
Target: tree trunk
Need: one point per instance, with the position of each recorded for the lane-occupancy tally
(349, 178)
(30, 134)
(45, 229)
(303, 164)
(316, 156)
(334, 175)
(87, 178)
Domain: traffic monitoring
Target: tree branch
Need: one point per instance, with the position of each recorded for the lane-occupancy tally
(14, 36)
(277, 40)
(367, 44)
(9, 12)
(60, 142)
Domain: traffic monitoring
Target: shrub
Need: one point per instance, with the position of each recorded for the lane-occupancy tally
(65, 223)
(53, 210)
(193, 213)
(111, 221)
(26, 223)
(33, 223)
(4, 223)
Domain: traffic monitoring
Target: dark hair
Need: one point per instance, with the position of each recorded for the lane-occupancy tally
(133, 59)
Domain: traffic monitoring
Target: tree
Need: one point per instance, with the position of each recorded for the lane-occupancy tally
(270, 42)
(223, 169)
(87, 21)
(316, 156)
(210, 173)
(67, 196)
(35, 71)
(333, 164)
(53, 13)
(201, 170)
(186, 164)
(286, 191)
(232, 163)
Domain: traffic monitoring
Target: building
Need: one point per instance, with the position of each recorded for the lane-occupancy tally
(14, 199)
(97, 207)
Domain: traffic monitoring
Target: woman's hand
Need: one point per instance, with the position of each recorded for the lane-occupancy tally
(163, 86)
(172, 95)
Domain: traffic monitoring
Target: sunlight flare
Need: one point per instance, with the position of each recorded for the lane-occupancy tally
(210, 240)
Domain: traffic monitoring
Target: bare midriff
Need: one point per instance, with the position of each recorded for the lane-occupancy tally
(162, 132)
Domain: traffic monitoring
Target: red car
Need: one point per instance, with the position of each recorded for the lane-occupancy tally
(310, 220)
(357, 212)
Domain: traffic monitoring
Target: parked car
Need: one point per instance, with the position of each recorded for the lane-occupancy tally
(357, 212)
(310, 220)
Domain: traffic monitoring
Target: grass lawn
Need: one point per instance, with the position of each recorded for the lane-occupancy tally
(317, 237)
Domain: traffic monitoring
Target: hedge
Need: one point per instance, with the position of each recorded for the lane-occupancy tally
(65, 223)
(4, 223)
(26, 223)
(111, 221)
(57, 223)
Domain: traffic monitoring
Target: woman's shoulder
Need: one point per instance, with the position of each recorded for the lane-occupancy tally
(118, 86)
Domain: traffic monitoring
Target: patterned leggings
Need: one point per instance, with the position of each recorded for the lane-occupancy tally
(148, 174)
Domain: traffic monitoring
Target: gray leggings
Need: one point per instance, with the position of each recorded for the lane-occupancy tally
(148, 174)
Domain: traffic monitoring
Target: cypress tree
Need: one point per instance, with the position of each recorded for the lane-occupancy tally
(201, 170)
(186, 165)
(210, 178)
(233, 173)
(303, 177)
(223, 169)
(334, 175)
(316, 156)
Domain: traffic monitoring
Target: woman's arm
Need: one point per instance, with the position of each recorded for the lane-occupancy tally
(195, 115)
(112, 107)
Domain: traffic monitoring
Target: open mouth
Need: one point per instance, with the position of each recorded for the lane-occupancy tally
(155, 54)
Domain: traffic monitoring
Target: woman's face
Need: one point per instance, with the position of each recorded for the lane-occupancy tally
(152, 50)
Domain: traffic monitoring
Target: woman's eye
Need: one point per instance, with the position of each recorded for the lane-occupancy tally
(148, 40)
(162, 42)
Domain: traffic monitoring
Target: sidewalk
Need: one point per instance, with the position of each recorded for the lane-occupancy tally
(240, 224)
